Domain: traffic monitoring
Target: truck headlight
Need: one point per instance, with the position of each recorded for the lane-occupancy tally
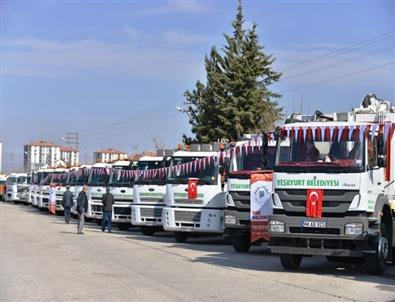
(353, 229)
(276, 201)
(276, 226)
(229, 200)
(230, 219)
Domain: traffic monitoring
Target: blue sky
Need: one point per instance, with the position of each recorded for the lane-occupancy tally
(115, 70)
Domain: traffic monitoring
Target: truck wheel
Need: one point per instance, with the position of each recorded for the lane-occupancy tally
(180, 237)
(375, 263)
(241, 244)
(290, 261)
(123, 226)
(147, 231)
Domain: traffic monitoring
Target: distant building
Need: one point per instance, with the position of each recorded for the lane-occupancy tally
(70, 156)
(108, 155)
(45, 153)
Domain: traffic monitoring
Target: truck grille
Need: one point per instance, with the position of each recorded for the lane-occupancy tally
(328, 231)
(188, 201)
(122, 210)
(185, 216)
(151, 212)
(335, 202)
(96, 208)
(241, 199)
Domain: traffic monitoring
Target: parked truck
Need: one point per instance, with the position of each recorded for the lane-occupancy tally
(149, 192)
(99, 176)
(241, 166)
(16, 184)
(197, 170)
(79, 176)
(22, 187)
(121, 186)
(334, 190)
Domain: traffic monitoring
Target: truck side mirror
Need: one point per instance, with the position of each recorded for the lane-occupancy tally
(380, 145)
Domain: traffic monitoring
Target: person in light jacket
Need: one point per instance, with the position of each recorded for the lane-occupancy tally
(107, 201)
(67, 203)
(82, 208)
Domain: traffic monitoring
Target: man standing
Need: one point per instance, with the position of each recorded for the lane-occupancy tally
(108, 201)
(67, 203)
(82, 207)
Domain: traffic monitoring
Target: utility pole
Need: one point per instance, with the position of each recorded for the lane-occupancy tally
(72, 139)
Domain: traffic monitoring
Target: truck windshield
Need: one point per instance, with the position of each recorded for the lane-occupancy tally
(22, 179)
(98, 177)
(158, 178)
(12, 180)
(119, 178)
(340, 155)
(58, 178)
(242, 162)
(43, 178)
(78, 179)
(207, 176)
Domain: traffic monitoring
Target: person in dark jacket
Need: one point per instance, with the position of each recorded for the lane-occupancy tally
(67, 204)
(82, 207)
(107, 201)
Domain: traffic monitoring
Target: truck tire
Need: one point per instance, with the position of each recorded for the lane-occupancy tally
(241, 243)
(181, 237)
(123, 226)
(147, 231)
(375, 263)
(289, 261)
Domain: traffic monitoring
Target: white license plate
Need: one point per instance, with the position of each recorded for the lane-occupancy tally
(187, 229)
(314, 224)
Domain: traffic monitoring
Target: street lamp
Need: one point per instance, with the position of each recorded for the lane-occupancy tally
(184, 111)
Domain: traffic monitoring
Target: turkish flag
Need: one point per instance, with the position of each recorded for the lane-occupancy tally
(192, 188)
(314, 199)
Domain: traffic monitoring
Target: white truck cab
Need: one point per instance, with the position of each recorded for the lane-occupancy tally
(11, 193)
(121, 186)
(60, 181)
(99, 177)
(50, 177)
(241, 165)
(149, 191)
(22, 187)
(334, 189)
(37, 177)
(79, 177)
(203, 214)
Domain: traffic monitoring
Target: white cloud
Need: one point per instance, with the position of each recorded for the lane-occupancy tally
(174, 7)
(35, 57)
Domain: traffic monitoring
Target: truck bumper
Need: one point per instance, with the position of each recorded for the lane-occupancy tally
(236, 222)
(147, 215)
(95, 211)
(329, 241)
(193, 220)
(122, 213)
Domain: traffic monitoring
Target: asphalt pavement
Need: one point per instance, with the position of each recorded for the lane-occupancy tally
(43, 259)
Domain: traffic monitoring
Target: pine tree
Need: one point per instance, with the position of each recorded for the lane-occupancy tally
(235, 98)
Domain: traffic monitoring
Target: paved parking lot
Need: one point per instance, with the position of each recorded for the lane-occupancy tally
(42, 259)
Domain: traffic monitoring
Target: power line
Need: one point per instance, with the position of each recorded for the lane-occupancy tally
(340, 77)
(128, 119)
(147, 123)
(132, 123)
(338, 52)
(330, 66)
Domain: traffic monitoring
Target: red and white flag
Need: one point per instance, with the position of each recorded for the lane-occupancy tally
(314, 199)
